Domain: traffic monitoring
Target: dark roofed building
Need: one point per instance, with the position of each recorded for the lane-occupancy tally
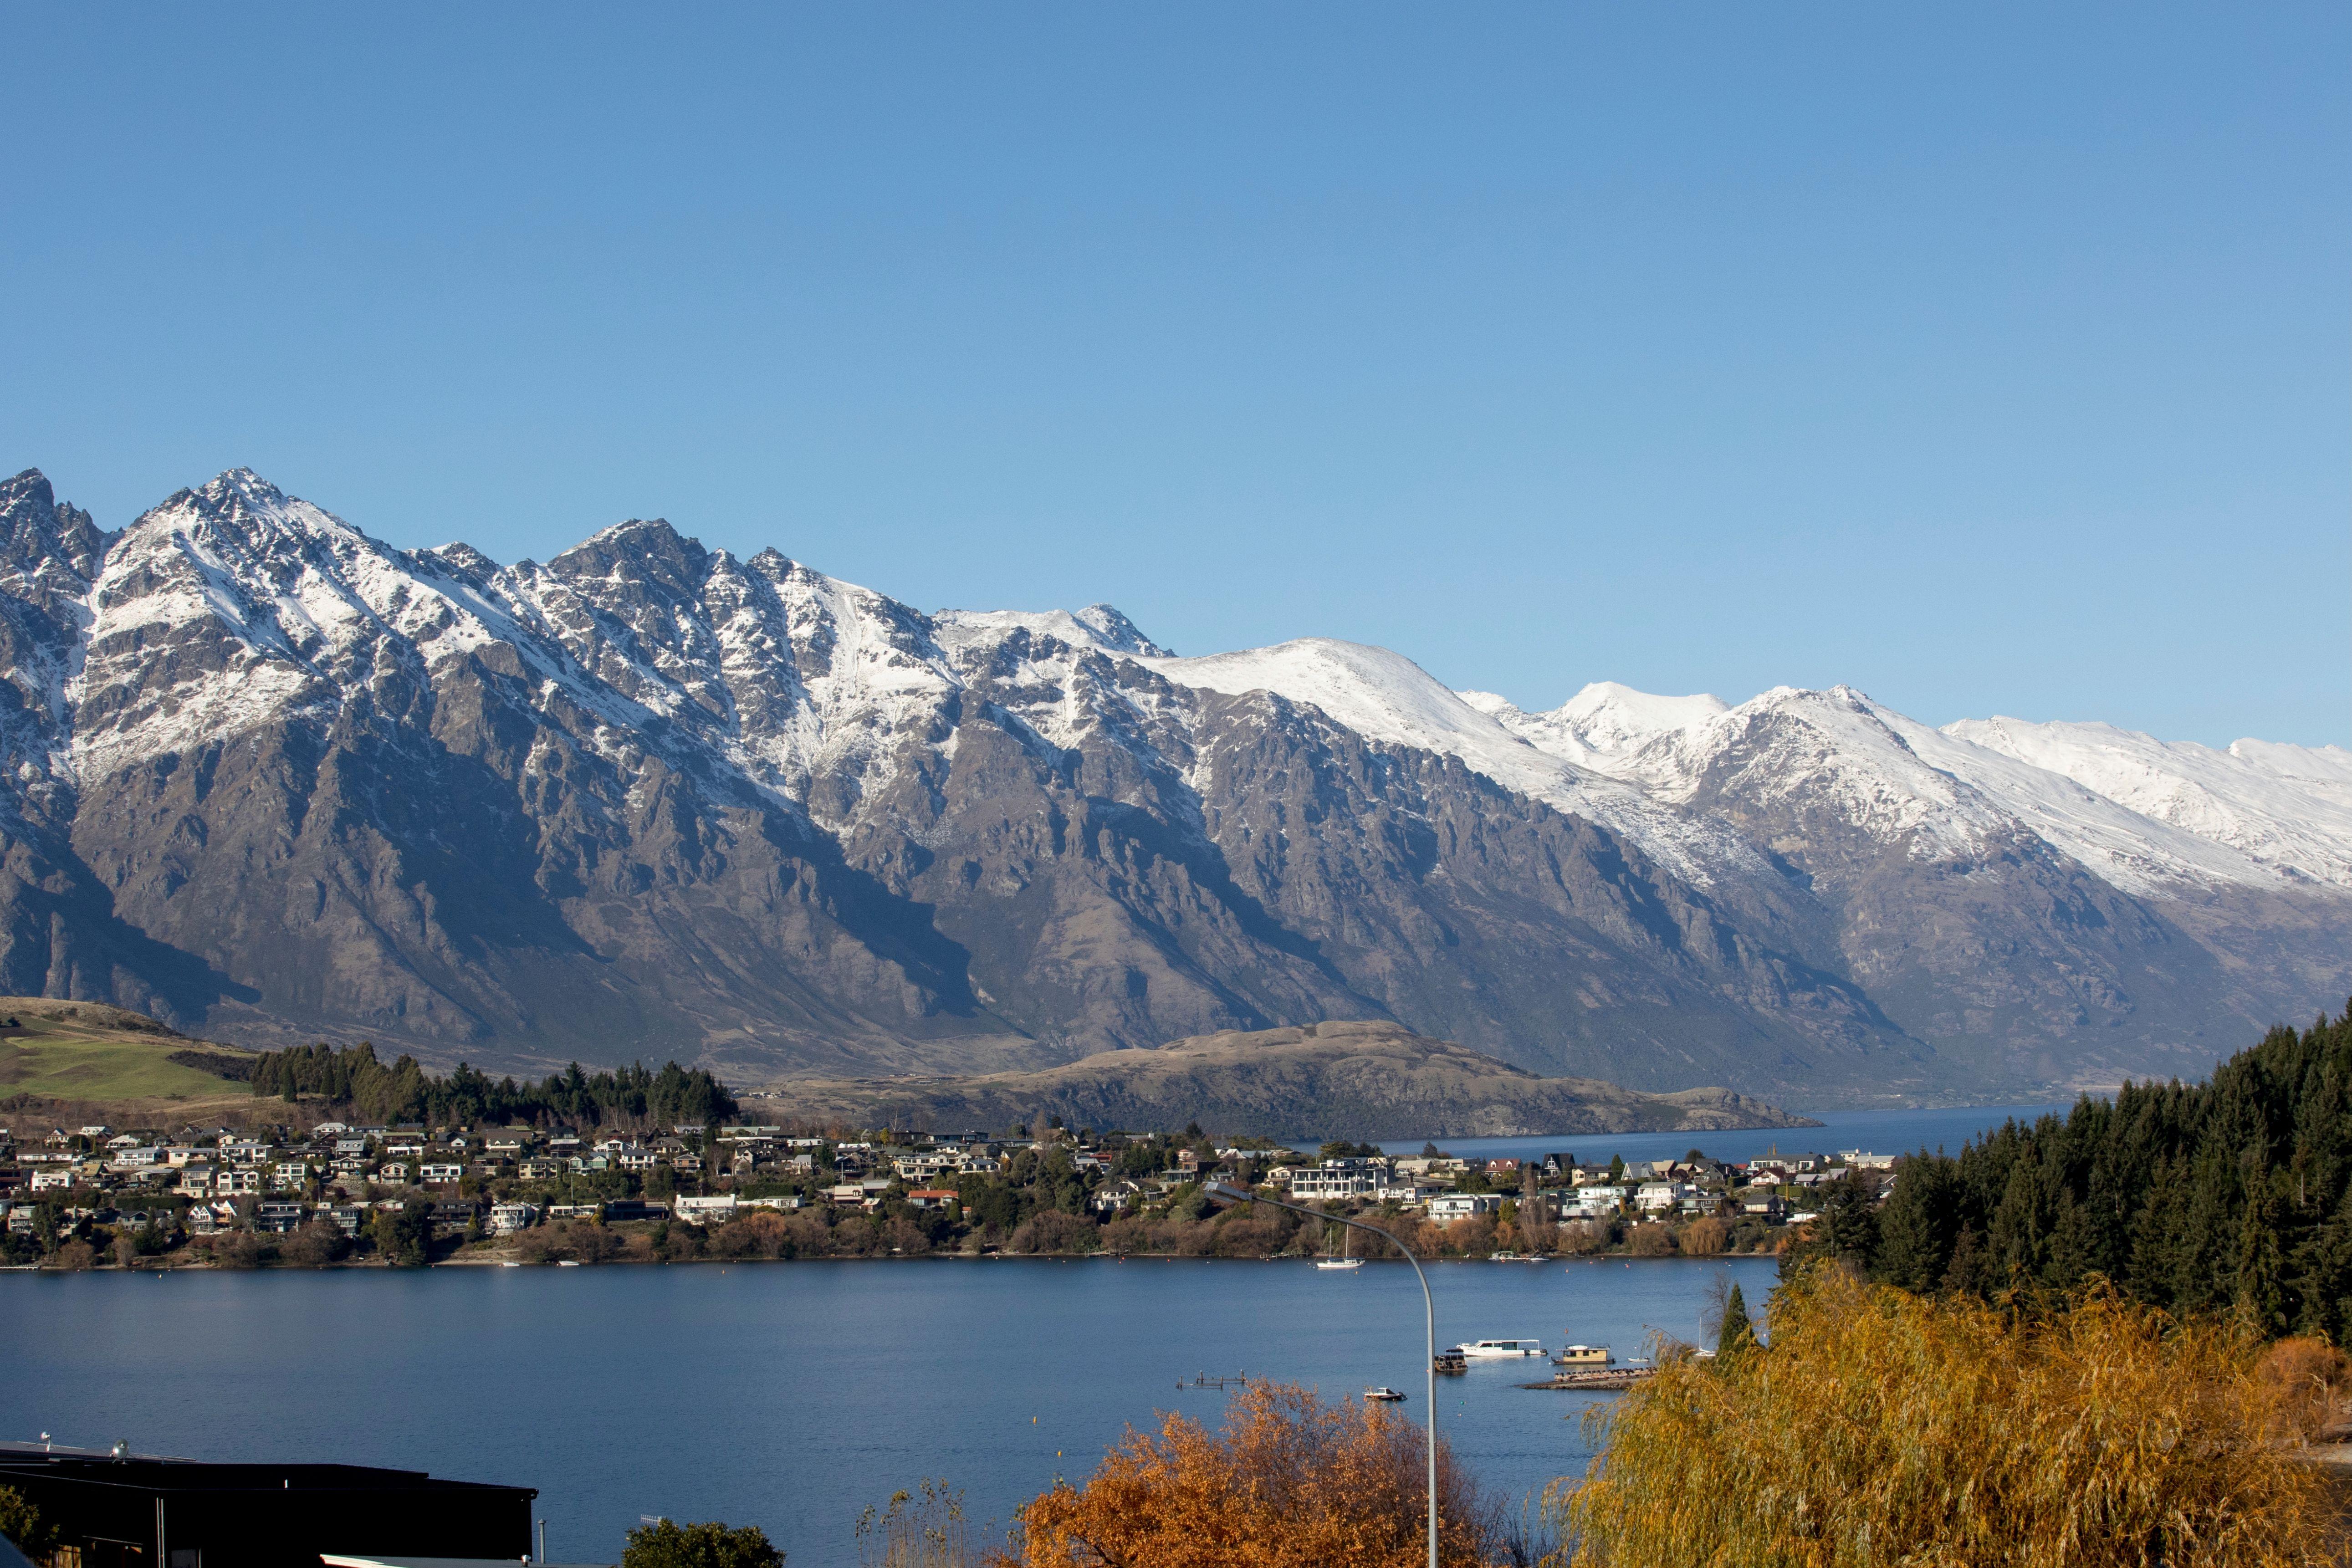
(178, 1513)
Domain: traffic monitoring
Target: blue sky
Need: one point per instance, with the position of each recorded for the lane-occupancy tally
(1992, 359)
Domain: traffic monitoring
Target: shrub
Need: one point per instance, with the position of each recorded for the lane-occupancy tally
(1705, 1238)
(2308, 1380)
(667, 1545)
(1584, 1235)
(1051, 1230)
(1291, 1482)
(1650, 1241)
(22, 1526)
(320, 1241)
(923, 1529)
(759, 1233)
(1943, 1433)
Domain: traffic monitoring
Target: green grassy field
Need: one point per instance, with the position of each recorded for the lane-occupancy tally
(72, 1059)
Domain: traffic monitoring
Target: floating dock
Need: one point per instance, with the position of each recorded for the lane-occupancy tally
(1610, 1377)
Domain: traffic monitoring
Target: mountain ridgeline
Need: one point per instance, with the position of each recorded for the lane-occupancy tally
(2231, 1196)
(274, 781)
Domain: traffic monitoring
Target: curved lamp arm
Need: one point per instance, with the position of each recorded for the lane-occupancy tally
(1226, 1193)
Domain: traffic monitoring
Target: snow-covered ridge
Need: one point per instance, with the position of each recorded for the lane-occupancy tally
(235, 605)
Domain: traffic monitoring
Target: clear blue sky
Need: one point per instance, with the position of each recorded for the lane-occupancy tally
(1993, 359)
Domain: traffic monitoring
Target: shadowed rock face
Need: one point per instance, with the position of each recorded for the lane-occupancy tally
(270, 779)
(1348, 1079)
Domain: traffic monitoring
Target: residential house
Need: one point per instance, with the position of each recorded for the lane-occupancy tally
(1656, 1197)
(1335, 1179)
(440, 1174)
(1447, 1208)
(702, 1210)
(931, 1197)
(508, 1218)
(540, 1170)
(277, 1218)
(1115, 1197)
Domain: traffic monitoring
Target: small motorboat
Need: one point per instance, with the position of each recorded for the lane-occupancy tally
(1383, 1395)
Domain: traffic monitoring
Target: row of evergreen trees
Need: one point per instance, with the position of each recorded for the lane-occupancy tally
(2233, 1195)
(405, 1093)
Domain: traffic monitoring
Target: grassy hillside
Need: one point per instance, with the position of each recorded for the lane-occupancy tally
(89, 1052)
(1324, 1081)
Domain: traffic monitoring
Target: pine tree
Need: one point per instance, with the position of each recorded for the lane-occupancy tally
(1738, 1333)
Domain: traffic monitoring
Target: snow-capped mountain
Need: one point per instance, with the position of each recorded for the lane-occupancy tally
(273, 779)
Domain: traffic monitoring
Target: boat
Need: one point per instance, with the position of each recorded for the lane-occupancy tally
(1383, 1395)
(1497, 1349)
(567, 1263)
(1343, 1262)
(1449, 1362)
(1584, 1355)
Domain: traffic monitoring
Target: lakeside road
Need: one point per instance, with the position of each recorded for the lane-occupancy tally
(788, 1396)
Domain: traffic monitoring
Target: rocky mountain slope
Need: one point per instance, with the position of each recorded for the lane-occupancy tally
(1316, 1082)
(271, 779)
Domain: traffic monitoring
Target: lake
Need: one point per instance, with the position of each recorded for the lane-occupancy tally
(792, 1394)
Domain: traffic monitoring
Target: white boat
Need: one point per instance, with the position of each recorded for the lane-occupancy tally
(1343, 1262)
(1497, 1349)
(1383, 1395)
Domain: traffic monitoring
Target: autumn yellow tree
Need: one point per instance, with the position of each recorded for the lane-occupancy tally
(1290, 1482)
(1881, 1427)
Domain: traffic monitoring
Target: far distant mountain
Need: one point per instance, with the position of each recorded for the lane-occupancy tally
(270, 779)
(1352, 1080)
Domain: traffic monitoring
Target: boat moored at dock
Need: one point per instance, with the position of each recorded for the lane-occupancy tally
(1499, 1350)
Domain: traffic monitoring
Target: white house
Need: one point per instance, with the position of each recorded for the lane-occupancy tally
(1447, 1208)
(508, 1218)
(1334, 1179)
(702, 1210)
(1655, 1197)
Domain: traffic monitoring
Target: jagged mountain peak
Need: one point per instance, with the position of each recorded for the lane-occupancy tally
(37, 530)
(1099, 627)
(648, 545)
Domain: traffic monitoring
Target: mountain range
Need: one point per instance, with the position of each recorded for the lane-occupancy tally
(270, 779)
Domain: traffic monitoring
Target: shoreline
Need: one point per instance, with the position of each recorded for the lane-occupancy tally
(373, 1266)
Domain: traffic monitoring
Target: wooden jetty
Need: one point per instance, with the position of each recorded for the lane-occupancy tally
(1599, 1378)
(1211, 1380)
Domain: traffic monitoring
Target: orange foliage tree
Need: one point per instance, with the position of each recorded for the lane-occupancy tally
(1291, 1482)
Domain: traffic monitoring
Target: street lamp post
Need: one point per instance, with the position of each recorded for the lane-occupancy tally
(1429, 1308)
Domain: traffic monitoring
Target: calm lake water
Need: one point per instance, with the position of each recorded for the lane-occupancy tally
(1879, 1132)
(792, 1394)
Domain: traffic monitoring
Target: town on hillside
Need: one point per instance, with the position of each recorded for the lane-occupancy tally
(337, 1192)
